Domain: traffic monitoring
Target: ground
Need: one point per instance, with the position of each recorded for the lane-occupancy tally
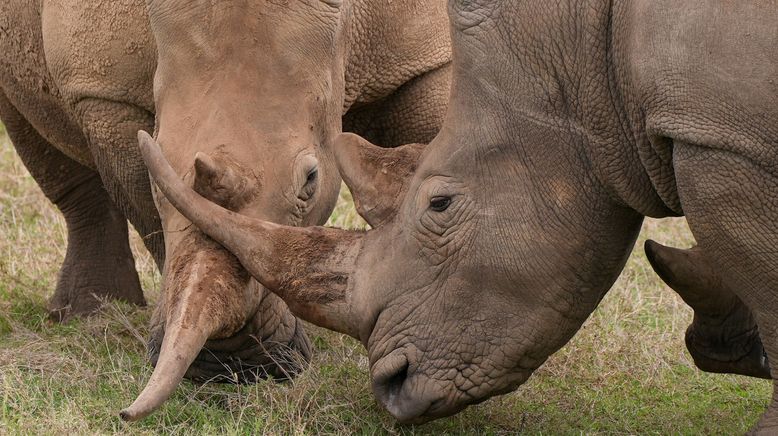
(626, 371)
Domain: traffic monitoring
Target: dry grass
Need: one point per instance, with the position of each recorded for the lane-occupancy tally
(626, 371)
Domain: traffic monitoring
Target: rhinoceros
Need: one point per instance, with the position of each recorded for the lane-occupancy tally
(569, 122)
(248, 93)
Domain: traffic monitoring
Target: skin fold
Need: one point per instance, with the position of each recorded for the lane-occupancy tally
(246, 98)
(568, 123)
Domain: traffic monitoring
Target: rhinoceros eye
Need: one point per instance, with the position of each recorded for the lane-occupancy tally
(313, 174)
(440, 204)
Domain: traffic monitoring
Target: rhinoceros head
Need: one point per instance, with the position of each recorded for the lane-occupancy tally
(249, 97)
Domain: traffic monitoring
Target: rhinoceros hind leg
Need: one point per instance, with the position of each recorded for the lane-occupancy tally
(729, 201)
(98, 262)
(723, 336)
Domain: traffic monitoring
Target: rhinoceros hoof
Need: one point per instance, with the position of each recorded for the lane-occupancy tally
(82, 288)
(729, 358)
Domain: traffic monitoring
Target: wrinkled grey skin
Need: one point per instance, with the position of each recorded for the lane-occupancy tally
(237, 87)
(568, 123)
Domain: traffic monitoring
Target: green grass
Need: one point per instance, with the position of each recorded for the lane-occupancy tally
(626, 371)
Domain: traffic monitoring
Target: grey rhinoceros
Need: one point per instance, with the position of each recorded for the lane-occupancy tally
(251, 94)
(569, 121)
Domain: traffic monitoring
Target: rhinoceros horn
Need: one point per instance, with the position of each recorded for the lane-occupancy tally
(180, 347)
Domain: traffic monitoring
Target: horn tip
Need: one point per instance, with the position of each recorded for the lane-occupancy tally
(128, 415)
(146, 144)
(653, 250)
(143, 136)
(136, 412)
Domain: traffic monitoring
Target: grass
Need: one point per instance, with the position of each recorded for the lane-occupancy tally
(627, 371)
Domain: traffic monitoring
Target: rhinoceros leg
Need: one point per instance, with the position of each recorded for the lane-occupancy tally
(98, 261)
(412, 114)
(730, 203)
(723, 336)
(112, 128)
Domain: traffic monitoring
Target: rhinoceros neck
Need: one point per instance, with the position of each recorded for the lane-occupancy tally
(551, 67)
(390, 43)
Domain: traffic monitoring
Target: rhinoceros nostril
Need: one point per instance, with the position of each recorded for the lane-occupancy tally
(394, 382)
(396, 386)
(389, 375)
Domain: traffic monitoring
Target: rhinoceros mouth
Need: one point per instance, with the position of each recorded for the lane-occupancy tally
(414, 396)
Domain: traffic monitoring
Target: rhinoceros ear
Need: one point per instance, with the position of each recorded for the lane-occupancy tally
(220, 180)
(376, 176)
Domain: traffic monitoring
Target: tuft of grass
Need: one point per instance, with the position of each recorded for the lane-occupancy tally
(626, 371)
(344, 215)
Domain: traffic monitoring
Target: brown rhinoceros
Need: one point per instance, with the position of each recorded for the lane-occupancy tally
(248, 93)
(569, 121)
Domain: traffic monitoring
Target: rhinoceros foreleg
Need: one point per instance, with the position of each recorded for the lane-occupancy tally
(98, 261)
(112, 128)
(723, 336)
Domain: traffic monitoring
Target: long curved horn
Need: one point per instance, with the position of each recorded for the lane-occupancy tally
(308, 267)
(188, 327)
(205, 299)
(179, 349)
